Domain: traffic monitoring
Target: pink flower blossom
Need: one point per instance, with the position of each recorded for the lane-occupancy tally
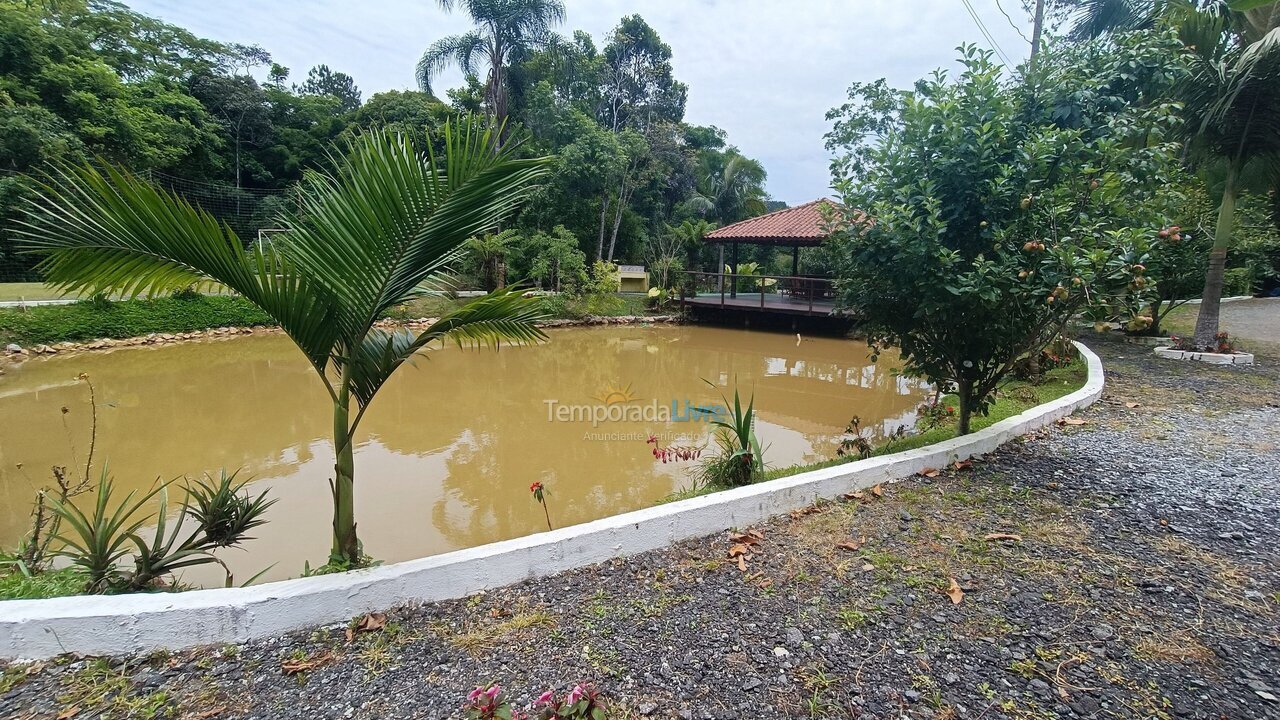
(546, 698)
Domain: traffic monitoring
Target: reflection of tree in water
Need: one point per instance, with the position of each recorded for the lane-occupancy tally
(507, 435)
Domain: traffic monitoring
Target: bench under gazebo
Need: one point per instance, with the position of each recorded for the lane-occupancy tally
(795, 228)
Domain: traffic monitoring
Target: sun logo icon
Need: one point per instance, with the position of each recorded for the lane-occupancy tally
(615, 394)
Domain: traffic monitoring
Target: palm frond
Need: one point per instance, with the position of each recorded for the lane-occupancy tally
(503, 315)
(391, 219)
(461, 50)
(108, 231)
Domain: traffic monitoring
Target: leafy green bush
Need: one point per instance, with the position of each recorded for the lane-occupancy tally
(1237, 281)
(90, 319)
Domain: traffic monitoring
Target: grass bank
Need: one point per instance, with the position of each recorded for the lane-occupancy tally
(94, 319)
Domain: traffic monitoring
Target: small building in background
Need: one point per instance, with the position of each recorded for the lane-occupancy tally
(633, 279)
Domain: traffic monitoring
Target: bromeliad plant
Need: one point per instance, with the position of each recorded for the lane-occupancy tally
(583, 702)
(103, 542)
(384, 227)
(741, 459)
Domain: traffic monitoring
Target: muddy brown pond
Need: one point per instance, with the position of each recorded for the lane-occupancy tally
(448, 449)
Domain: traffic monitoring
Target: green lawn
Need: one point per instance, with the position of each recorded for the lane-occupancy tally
(27, 291)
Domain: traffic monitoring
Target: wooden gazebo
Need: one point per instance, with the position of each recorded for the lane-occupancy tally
(795, 228)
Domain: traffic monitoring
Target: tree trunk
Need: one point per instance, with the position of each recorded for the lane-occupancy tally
(1154, 330)
(346, 545)
(604, 213)
(1034, 376)
(964, 395)
(1037, 31)
(1211, 299)
(617, 220)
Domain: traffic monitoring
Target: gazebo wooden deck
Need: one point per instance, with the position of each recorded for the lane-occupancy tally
(794, 294)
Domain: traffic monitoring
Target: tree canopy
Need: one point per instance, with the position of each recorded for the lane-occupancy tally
(229, 128)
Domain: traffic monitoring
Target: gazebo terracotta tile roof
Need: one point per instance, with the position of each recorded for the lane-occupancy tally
(800, 225)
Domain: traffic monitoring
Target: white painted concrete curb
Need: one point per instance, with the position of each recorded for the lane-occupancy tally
(1239, 358)
(113, 625)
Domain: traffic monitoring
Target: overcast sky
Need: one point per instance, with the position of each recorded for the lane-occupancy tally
(764, 70)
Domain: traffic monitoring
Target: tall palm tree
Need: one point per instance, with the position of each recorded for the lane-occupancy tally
(1231, 102)
(507, 27)
(734, 191)
(1095, 18)
(386, 226)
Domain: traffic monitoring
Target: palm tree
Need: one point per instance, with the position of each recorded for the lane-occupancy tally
(487, 254)
(385, 227)
(733, 192)
(1095, 18)
(507, 28)
(1231, 102)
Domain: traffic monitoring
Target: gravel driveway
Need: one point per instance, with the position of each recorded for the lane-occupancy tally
(1128, 567)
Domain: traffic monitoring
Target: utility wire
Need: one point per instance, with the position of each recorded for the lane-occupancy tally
(1012, 24)
(986, 33)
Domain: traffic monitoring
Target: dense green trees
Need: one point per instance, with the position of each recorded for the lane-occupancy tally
(83, 79)
(1000, 206)
(1230, 96)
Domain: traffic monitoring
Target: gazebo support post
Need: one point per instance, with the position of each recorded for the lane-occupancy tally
(795, 261)
(733, 273)
(720, 272)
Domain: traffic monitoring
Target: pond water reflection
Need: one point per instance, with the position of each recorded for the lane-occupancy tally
(448, 450)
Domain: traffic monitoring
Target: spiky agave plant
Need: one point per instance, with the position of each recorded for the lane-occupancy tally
(385, 226)
(741, 459)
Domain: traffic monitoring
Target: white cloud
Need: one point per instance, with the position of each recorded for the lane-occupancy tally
(764, 70)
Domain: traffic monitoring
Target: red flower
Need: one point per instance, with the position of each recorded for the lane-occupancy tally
(535, 487)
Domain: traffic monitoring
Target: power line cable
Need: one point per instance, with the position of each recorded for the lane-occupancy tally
(1012, 24)
(986, 33)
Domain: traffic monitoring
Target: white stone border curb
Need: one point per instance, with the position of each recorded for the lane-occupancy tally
(1239, 358)
(114, 625)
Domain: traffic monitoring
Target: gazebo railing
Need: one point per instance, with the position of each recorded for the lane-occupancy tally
(802, 289)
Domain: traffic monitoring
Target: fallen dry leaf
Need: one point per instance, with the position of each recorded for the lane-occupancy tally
(1132, 405)
(954, 592)
(739, 550)
(963, 465)
(868, 567)
(850, 545)
(878, 491)
(307, 664)
(742, 563)
(372, 622)
(854, 496)
(69, 713)
(1071, 421)
(750, 537)
(929, 472)
(1003, 536)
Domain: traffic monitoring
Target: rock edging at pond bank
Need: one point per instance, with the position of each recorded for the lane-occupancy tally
(114, 625)
(16, 353)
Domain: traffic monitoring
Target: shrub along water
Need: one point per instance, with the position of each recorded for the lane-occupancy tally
(93, 319)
